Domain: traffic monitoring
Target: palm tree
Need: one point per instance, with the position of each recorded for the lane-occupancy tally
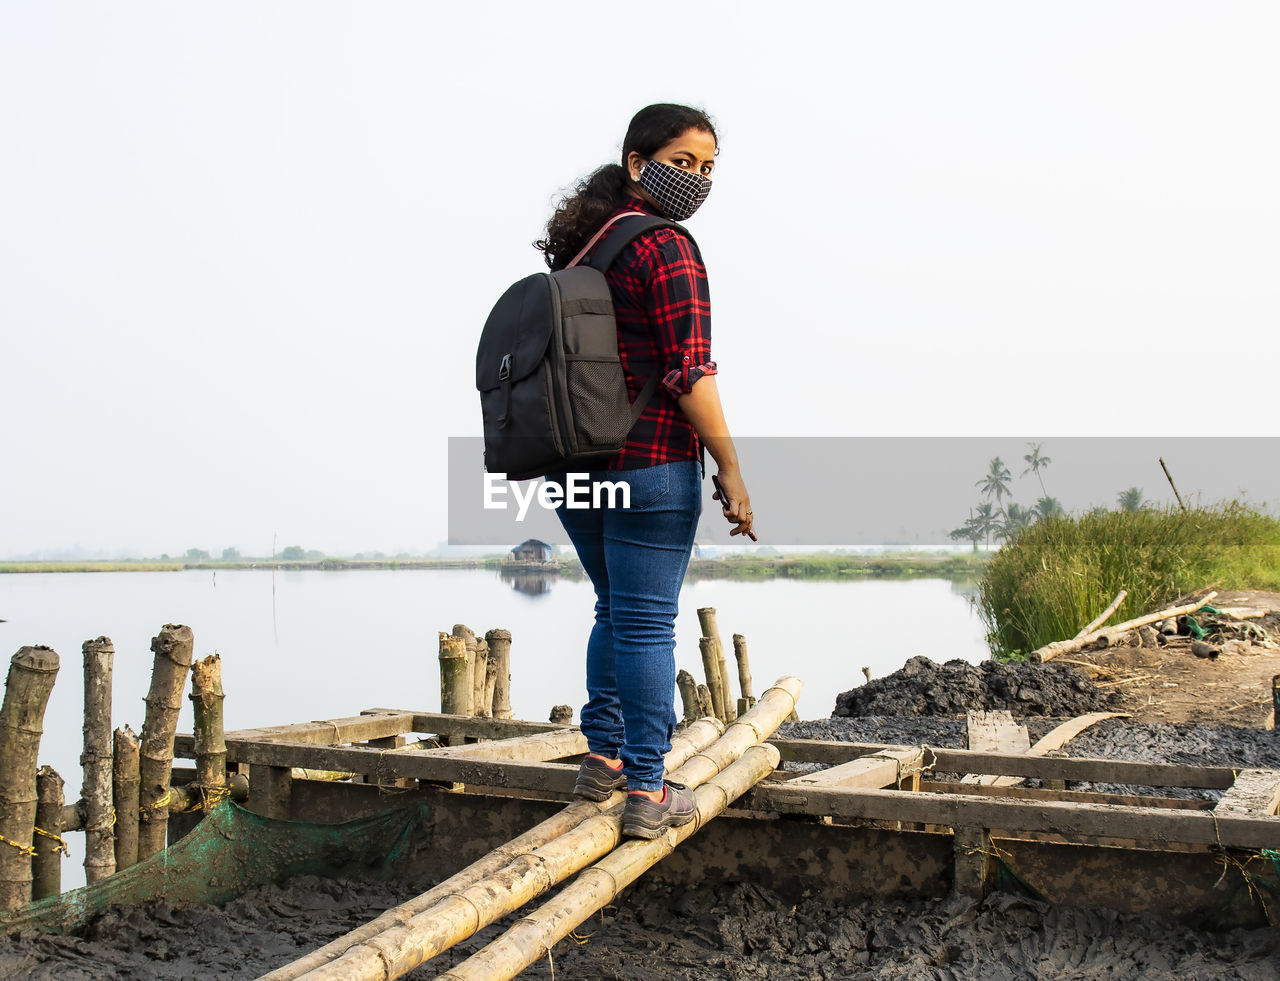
(1035, 463)
(996, 482)
(985, 516)
(1130, 500)
(1048, 507)
(1016, 518)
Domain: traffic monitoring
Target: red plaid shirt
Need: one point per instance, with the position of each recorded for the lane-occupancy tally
(663, 309)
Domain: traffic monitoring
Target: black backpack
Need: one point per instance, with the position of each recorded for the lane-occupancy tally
(552, 392)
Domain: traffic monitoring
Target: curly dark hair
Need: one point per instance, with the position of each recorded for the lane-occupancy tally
(581, 213)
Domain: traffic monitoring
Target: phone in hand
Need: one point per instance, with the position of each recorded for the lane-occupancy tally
(725, 503)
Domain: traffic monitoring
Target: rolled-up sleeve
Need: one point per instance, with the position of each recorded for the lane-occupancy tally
(680, 303)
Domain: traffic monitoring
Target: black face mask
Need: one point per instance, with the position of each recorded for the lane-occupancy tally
(679, 193)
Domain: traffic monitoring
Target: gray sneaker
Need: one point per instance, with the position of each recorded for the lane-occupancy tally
(597, 780)
(643, 818)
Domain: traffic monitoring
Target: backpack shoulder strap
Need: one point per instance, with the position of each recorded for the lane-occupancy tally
(629, 229)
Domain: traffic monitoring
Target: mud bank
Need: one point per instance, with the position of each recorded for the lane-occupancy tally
(704, 932)
(922, 687)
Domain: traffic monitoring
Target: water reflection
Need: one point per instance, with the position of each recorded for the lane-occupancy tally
(529, 583)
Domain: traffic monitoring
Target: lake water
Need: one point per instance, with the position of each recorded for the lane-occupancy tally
(313, 645)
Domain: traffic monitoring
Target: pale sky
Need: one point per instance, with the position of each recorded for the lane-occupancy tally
(246, 250)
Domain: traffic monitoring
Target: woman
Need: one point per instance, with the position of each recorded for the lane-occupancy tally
(637, 556)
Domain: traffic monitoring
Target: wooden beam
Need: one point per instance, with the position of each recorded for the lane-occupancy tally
(1019, 765)
(1054, 739)
(884, 769)
(386, 765)
(1013, 815)
(539, 747)
(1254, 792)
(1079, 796)
(972, 862)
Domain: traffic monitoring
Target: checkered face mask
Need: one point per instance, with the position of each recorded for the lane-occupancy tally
(679, 193)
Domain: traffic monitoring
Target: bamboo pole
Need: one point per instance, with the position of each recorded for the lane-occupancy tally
(455, 680)
(684, 745)
(500, 653)
(744, 666)
(706, 707)
(172, 648)
(46, 864)
(711, 667)
(211, 748)
(469, 642)
(1105, 615)
(688, 694)
(536, 933)
(32, 672)
(1059, 647)
(490, 681)
(480, 673)
(398, 950)
(99, 832)
(124, 788)
(707, 621)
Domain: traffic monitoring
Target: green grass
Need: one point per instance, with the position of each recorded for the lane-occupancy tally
(1059, 574)
(91, 567)
(826, 565)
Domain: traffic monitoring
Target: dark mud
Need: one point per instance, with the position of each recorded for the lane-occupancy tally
(922, 687)
(703, 932)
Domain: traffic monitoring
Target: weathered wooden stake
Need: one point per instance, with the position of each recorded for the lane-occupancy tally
(211, 748)
(500, 653)
(32, 672)
(706, 708)
(455, 683)
(490, 681)
(124, 785)
(707, 621)
(99, 833)
(469, 640)
(46, 864)
(711, 667)
(480, 669)
(688, 695)
(172, 648)
(744, 667)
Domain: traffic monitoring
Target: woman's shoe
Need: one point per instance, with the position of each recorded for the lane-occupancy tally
(597, 779)
(645, 818)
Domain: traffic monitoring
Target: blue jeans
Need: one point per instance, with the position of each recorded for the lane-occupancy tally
(636, 559)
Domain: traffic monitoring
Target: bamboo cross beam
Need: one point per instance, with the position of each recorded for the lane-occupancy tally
(525, 943)
(1105, 615)
(398, 950)
(684, 744)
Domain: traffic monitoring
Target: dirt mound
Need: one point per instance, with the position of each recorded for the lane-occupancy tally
(921, 687)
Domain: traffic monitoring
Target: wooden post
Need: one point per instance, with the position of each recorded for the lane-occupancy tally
(46, 864)
(490, 681)
(211, 748)
(706, 708)
(469, 642)
(711, 667)
(500, 653)
(99, 830)
(32, 672)
(688, 695)
(480, 670)
(972, 860)
(455, 682)
(1275, 701)
(172, 648)
(744, 667)
(270, 790)
(124, 786)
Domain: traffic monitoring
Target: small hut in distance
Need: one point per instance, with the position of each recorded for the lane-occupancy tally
(531, 552)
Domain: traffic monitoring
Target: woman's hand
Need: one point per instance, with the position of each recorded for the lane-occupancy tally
(738, 512)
